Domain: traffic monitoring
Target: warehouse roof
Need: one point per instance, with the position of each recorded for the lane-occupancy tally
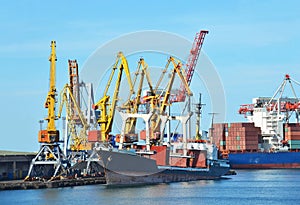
(6, 153)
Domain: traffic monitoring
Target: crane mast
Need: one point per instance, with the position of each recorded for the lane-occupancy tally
(51, 134)
(74, 83)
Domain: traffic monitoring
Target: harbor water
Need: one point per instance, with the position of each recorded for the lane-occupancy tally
(276, 186)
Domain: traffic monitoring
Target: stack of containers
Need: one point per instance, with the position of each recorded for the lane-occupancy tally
(236, 136)
(218, 135)
(242, 136)
(292, 135)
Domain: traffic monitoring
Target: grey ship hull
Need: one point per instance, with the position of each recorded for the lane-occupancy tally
(123, 168)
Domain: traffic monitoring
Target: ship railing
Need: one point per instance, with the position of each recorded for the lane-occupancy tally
(242, 151)
(183, 168)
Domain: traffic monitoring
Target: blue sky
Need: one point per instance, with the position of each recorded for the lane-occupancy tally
(252, 44)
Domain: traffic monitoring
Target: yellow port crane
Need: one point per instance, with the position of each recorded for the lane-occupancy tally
(50, 135)
(106, 107)
(177, 69)
(132, 106)
(72, 109)
(50, 159)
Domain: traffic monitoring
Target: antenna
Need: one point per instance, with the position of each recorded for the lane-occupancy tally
(212, 125)
(198, 112)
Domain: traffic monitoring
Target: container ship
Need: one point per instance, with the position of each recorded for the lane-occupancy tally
(269, 139)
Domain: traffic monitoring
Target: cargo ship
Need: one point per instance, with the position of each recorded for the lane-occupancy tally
(262, 160)
(146, 159)
(269, 139)
(159, 165)
(149, 157)
(156, 157)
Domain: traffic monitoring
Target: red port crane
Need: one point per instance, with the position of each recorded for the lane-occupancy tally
(191, 65)
(74, 87)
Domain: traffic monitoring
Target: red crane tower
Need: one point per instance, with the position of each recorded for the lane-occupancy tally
(191, 64)
(74, 86)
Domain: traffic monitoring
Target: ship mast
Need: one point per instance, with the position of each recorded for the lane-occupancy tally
(198, 118)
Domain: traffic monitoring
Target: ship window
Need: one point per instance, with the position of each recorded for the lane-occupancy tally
(265, 141)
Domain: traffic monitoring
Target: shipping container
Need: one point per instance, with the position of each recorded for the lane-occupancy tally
(94, 136)
(294, 141)
(222, 143)
(143, 135)
(294, 144)
(292, 137)
(87, 146)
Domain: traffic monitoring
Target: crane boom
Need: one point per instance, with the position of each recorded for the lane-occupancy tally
(191, 64)
(81, 138)
(162, 76)
(144, 72)
(108, 109)
(51, 134)
(194, 54)
(134, 106)
(50, 102)
(177, 69)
